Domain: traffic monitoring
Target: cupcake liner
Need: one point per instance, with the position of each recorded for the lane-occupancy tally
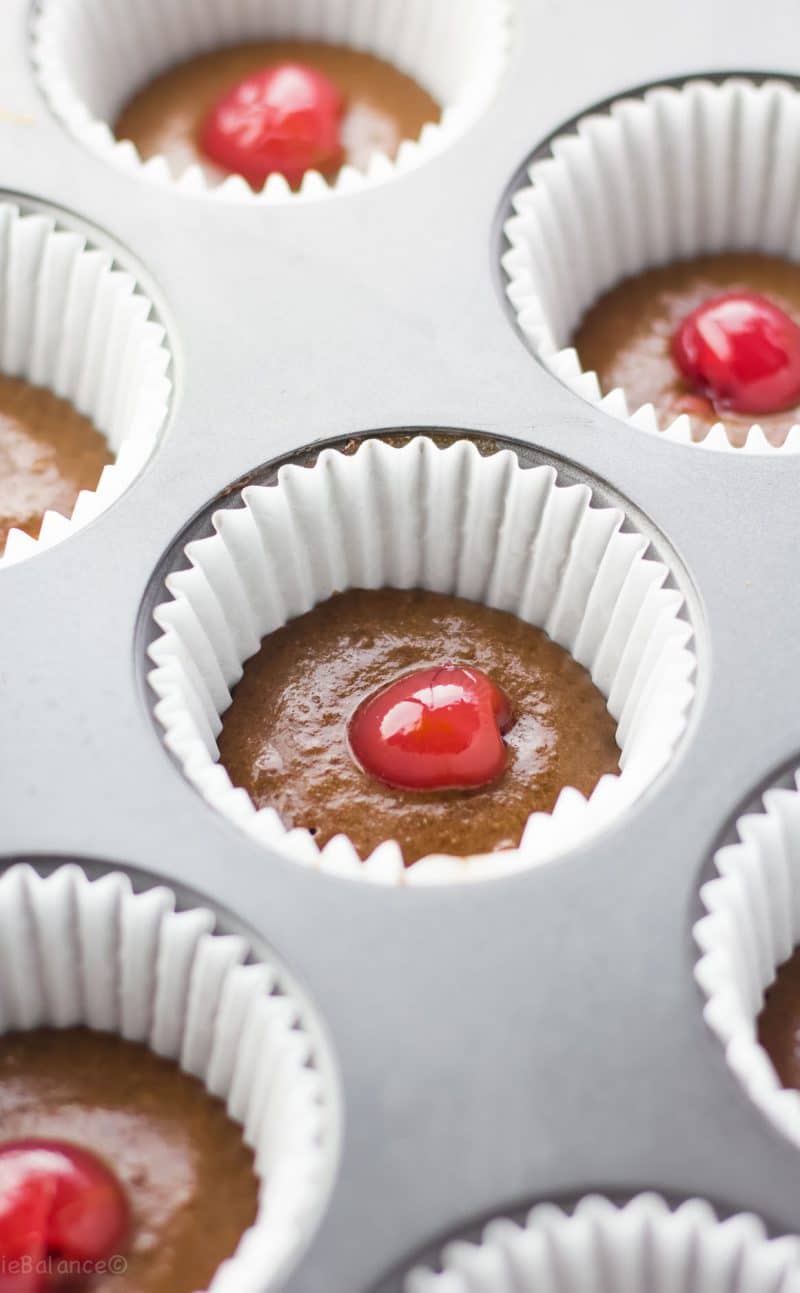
(92, 55)
(75, 951)
(452, 521)
(752, 927)
(71, 320)
(673, 174)
(641, 1247)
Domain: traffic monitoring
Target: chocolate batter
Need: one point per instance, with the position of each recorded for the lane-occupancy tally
(49, 452)
(383, 105)
(779, 1022)
(187, 1172)
(284, 736)
(626, 336)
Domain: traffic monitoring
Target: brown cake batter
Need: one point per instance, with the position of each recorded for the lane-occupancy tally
(383, 105)
(285, 735)
(49, 452)
(187, 1172)
(626, 336)
(779, 1022)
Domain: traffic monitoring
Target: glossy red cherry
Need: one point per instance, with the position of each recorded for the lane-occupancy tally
(435, 729)
(59, 1202)
(284, 119)
(24, 1207)
(742, 352)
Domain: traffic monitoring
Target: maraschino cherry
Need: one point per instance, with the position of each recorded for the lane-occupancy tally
(742, 352)
(285, 119)
(435, 729)
(58, 1203)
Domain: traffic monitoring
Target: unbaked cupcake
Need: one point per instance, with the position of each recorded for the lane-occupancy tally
(115, 1167)
(276, 108)
(84, 381)
(423, 644)
(133, 1042)
(654, 262)
(417, 717)
(277, 97)
(750, 963)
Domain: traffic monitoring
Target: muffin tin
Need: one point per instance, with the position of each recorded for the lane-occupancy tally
(531, 1039)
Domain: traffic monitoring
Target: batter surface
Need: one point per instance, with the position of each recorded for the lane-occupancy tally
(284, 737)
(383, 105)
(181, 1160)
(779, 1022)
(626, 336)
(49, 452)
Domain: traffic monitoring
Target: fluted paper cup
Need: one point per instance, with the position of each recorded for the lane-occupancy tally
(92, 55)
(641, 1247)
(752, 927)
(452, 521)
(75, 951)
(80, 326)
(670, 175)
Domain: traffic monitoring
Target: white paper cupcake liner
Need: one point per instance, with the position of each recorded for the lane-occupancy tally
(71, 320)
(92, 55)
(75, 951)
(452, 521)
(752, 927)
(674, 174)
(642, 1247)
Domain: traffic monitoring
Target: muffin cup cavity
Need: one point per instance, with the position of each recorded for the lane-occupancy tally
(76, 323)
(641, 1247)
(670, 175)
(76, 951)
(92, 55)
(452, 521)
(752, 926)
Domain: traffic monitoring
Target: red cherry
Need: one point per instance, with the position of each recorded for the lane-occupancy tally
(24, 1206)
(741, 351)
(284, 119)
(58, 1201)
(434, 729)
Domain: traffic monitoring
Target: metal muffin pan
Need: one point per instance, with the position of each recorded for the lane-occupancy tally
(528, 1039)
